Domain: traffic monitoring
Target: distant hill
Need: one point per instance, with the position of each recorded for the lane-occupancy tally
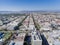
(21, 12)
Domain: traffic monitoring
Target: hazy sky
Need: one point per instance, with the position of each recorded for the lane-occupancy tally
(18, 5)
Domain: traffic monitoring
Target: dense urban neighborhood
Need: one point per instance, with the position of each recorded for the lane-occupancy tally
(30, 28)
